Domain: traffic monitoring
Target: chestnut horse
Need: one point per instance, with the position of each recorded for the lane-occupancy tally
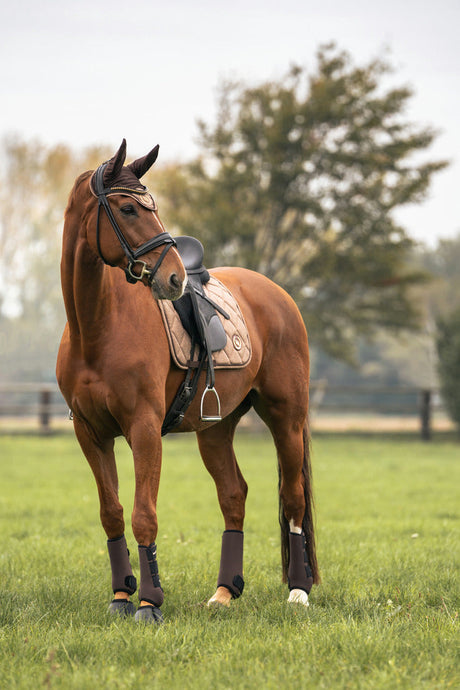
(115, 371)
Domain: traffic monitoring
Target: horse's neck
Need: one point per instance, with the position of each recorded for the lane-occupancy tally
(86, 289)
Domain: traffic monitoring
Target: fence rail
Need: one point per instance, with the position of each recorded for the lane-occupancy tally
(44, 402)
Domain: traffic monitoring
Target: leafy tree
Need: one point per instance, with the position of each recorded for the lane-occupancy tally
(299, 179)
(442, 296)
(448, 344)
(35, 182)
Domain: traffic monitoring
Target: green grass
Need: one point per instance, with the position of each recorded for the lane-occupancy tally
(385, 616)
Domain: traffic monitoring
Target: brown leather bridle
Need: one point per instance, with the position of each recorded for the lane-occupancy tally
(164, 238)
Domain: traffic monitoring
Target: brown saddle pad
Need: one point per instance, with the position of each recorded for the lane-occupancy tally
(237, 352)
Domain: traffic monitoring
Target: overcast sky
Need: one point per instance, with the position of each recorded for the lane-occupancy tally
(93, 72)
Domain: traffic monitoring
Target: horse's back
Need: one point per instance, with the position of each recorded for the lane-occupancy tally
(264, 303)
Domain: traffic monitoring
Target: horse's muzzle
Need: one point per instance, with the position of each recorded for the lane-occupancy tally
(172, 289)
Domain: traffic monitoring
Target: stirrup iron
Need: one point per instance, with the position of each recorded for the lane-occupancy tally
(210, 418)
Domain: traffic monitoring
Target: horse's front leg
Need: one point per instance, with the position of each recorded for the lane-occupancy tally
(216, 448)
(101, 459)
(145, 441)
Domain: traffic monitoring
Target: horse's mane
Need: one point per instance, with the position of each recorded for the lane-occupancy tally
(81, 178)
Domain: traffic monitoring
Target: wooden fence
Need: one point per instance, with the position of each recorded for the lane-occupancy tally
(44, 403)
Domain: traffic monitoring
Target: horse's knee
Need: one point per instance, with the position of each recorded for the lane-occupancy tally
(233, 507)
(144, 526)
(112, 520)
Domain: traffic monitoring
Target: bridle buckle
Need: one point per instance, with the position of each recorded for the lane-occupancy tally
(133, 277)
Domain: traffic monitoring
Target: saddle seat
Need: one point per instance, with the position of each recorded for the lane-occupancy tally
(192, 254)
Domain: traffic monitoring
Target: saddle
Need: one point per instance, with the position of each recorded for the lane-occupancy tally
(206, 330)
(197, 311)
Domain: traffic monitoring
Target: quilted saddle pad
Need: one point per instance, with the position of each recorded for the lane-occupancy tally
(237, 352)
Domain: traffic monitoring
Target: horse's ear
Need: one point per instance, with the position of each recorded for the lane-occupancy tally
(141, 165)
(115, 164)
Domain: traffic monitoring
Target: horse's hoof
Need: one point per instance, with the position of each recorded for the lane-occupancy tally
(222, 597)
(298, 596)
(149, 614)
(121, 607)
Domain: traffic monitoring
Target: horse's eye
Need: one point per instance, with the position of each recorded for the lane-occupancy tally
(128, 210)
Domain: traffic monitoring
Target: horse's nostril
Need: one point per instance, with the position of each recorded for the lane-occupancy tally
(174, 281)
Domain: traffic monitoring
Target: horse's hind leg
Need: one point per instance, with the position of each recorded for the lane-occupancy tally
(101, 458)
(216, 448)
(287, 421)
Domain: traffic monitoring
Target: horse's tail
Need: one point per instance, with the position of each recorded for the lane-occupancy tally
(308, 522)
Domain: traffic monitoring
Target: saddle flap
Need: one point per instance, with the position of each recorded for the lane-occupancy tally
(210, 328)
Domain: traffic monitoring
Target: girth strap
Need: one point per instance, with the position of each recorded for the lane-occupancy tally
(185, 394)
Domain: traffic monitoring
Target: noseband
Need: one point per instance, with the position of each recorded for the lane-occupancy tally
(164, 238)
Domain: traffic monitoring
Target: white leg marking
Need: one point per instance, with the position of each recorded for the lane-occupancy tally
(293, 528)
(298, 596)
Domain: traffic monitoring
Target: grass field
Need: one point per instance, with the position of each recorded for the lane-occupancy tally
(386, 615)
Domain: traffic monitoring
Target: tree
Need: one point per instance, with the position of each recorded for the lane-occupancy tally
(448, 344)
(299, 179)
(443, 294)
(35, 182)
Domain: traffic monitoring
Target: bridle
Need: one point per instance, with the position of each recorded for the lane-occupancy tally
(164, 238)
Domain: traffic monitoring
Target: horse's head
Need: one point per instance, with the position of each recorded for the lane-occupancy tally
(128, 231)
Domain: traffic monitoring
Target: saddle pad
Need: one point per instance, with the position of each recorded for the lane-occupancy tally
(237, 352)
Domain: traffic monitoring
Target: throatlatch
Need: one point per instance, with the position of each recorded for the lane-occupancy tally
(150, 588)
(231, 563)
(299, 571)
(123, 579)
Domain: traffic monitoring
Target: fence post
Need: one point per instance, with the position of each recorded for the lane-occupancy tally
(45, 411)
(425, 414)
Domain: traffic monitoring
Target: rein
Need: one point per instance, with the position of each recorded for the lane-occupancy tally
(164, 238)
